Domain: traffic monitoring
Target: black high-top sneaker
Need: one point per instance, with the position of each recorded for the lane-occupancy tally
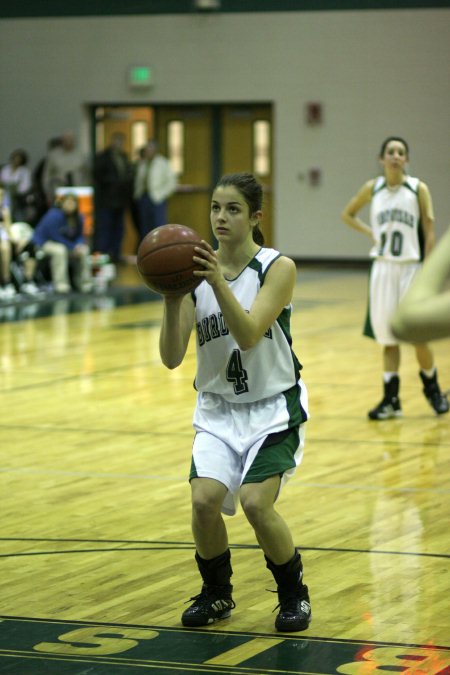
(433, 394)
(214, 602)
(295, 608)
(211, 604)
(390, 405)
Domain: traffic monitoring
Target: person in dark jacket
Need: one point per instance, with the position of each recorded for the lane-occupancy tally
(59, 233)
(113, 181)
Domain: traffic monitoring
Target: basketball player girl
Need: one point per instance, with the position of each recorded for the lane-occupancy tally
(402, 233)
(251, 405)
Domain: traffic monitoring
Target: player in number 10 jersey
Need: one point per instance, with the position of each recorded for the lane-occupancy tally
(402, 233)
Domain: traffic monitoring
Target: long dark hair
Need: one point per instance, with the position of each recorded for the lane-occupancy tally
(72, 219)
(393, 138)
(251, 191)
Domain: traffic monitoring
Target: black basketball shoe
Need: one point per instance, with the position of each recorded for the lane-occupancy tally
(295, 609)
(386, 409)
(293, 596)
(433, 394)
(389, 406)
(213, 603)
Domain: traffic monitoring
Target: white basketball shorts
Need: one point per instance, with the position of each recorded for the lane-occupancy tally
(389, 282)
(245, 442)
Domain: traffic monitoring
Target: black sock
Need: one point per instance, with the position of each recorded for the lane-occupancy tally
(215, 571)
(289, 574)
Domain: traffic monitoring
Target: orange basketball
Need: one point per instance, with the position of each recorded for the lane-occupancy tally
(164, 259)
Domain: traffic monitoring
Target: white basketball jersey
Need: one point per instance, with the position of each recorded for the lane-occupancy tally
(396, 221)
(269, 368)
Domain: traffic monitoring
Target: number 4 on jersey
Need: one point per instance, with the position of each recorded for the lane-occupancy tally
(236, 373)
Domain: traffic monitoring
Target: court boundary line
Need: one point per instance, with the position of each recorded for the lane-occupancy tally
(158, 545)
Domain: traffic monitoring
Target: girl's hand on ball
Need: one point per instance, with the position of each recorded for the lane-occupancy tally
(207, 258)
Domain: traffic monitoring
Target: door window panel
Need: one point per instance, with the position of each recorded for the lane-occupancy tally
(261, 147)
(175, 145)
(139, 136)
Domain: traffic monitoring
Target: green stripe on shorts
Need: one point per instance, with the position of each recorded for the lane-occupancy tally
(367, 328)
(275, 456)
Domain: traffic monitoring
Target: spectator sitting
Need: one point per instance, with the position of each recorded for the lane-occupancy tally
(15, 177)
(17, 249)
(59, 233)
(7, 289)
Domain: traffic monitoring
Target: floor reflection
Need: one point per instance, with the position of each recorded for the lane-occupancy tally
(23, 309)
(401, 521)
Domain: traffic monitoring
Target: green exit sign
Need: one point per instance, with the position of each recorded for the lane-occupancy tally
(140, 76)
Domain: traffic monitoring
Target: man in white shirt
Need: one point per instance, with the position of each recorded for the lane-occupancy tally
(155, 181)
(65, 166)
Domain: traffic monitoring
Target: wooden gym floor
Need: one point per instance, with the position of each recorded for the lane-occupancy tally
(96, 552)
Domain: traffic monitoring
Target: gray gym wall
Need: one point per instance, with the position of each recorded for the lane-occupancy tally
(375, 72)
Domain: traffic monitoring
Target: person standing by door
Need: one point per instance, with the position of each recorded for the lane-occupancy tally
(154, 182)
(113, 183)
(65, 166)
(402, 233)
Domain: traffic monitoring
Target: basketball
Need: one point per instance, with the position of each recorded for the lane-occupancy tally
(164, 259)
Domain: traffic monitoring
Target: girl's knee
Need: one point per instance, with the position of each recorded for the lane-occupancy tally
(254, 509)
(205, 505)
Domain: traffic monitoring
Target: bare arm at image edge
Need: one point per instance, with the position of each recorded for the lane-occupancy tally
(424, 312)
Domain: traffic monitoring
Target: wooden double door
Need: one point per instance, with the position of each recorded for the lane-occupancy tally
(203, 142)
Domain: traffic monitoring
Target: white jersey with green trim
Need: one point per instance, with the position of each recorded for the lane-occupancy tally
(396, 221)
(268, 368)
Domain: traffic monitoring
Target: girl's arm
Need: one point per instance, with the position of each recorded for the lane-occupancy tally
(424, 312)
(356, 203)
(178, 319)
(248, 328)
(427, 216)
